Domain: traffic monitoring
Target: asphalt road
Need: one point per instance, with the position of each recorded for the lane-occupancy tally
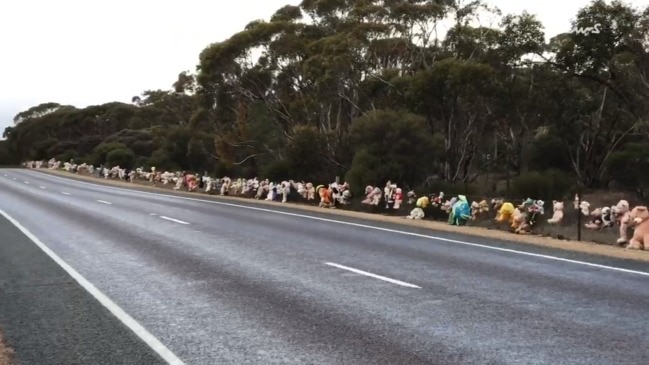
(224, 284)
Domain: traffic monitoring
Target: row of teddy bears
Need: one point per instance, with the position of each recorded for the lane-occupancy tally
(459, 211)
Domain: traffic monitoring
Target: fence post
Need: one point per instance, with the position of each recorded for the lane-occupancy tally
(579, 215)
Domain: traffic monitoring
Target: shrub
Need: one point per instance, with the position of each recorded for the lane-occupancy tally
(550, 184)
(122, 157)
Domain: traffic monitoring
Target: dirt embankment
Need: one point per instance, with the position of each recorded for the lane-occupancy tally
(583, 246)
(6, 353)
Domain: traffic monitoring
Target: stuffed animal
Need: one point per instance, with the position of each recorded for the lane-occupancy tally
(191, 181)
(639, 219)
(608, 220)
(310, 191)
(521, 215)
(475, 206)
(479, 208)
(447, 207)
(369, 195)
(285, 190)
(622, 215)
(225, 185)
(596, 221)
(584, 206)
(460, 212)
(557, 212)
(506, 212)
(325, 196)
(376, 196)
(388, 194)
(398, 198)
(418, 212)
(412, 197)
(533, 211)
(436, 201)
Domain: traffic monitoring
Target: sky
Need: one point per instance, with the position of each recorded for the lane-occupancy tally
(82, 52)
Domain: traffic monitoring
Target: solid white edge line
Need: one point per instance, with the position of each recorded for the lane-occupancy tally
(118, 312)
(104, 202)
(375, 276)
(405, 233)
(173, 220)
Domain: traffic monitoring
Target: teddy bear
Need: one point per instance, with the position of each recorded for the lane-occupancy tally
(191, 181)
(376, 196)
(460, 212)
(325, 196)
(475, 207)
(369, 195)
(412, 197)
(447, 207)
(225, 185)
(388, 194)
(521, 215)
(310, 191)
(557, 212)
(622, 217)
(584, 206)
(479, 208)
(506, 211)
(533, 211)
(436, 201)
(398, 198)
(596, 221)
(418, 212)
(639, 219)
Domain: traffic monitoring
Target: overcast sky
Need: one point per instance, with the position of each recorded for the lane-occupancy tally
(84, 52)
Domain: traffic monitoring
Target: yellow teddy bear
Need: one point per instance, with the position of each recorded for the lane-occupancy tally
(505, 213)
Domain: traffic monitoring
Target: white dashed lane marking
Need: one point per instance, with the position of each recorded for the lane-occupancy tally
(173, 220)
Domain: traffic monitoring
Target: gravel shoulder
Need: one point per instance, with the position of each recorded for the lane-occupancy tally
(575, 246)
(6, 353)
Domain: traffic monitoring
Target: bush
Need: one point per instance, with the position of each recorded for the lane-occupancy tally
(122, 157)
(277, 171)
(550, 184)
(100, 153)
(390, 145)
(67, 156)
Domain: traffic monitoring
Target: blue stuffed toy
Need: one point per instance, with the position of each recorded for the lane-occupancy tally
(460, 212)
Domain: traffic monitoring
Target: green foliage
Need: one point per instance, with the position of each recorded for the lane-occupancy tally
(390, 145)
(277, 171)
(100, 153)
(351, 88)
(67, 156)
(547, 152)
(551, 184)
(630, 168)
(305, 155)
(122, 157)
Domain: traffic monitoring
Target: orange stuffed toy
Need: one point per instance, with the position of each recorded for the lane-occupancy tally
(325, 196)
(639, 219)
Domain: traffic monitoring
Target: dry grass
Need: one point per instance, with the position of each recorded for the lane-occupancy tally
(6, 353)
(556, 236)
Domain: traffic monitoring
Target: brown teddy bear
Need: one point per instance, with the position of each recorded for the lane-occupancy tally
(639, 219)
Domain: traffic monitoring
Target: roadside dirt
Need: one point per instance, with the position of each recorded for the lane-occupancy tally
(6, 353)
(576, 246)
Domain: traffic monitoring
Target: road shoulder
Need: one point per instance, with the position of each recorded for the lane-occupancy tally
(432, 226)
(48, 318)
(6, 353)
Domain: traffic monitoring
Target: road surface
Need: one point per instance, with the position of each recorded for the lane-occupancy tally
(224, 283)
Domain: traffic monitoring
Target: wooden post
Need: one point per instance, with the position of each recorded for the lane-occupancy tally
(579, 215)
